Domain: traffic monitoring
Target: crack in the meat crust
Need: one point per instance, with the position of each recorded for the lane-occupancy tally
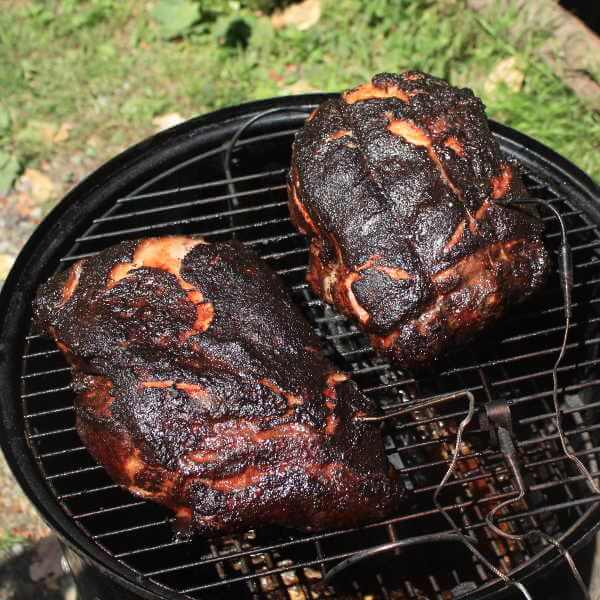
(407, 130)
(414, 198)
(157, 253)
(234, 419)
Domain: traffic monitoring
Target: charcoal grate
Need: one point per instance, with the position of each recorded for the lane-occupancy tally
(200, 192)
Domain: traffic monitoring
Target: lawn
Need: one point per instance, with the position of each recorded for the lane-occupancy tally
(81, 80)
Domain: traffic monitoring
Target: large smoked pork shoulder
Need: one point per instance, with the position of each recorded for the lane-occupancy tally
(201, 386)
(399, 185)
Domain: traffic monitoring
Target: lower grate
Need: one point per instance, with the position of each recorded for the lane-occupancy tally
(246, 199)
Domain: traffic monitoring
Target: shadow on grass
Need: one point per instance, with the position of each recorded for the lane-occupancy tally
(35, 573)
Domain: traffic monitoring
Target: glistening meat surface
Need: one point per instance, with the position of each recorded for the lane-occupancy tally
(398, 183)
(200, 386)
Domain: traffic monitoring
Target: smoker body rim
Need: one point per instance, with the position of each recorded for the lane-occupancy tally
(79, 207)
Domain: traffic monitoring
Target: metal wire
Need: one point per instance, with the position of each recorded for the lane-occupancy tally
(531, 535)
(566, 280)
(457, 535)
(412, 406)
(238, 134)
(457, 446)
(509, 451)
(407, 542)
(565, 270)
(510, 456)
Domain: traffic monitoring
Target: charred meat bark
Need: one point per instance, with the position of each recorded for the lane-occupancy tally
(398, 184)
(201, 386)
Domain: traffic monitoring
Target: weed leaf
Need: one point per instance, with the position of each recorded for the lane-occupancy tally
(175, 17)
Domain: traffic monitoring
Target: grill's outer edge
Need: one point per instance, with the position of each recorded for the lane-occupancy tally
(551, 164)
(81, 205)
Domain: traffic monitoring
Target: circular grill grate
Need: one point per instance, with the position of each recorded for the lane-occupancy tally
(196, 182)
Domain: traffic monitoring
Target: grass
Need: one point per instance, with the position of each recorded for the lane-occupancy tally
(106, 67)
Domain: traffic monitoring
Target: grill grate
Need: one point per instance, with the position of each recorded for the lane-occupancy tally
(200, 195)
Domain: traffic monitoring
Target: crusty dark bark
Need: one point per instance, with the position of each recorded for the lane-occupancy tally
(202, 387)
(397, 183)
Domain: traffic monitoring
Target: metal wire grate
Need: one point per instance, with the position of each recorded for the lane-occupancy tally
(514, 362)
